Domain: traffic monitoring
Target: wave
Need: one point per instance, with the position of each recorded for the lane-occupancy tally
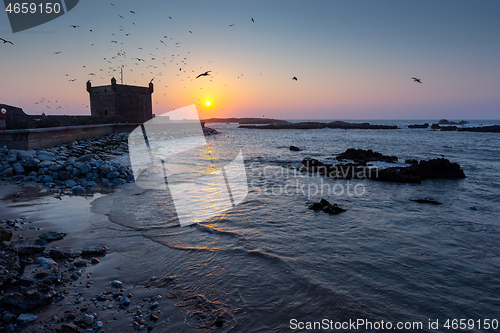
(211, 229)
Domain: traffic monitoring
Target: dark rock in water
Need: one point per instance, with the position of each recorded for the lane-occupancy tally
(438, 168)
(338, 171)
(94, 261)
(490, 129)
(94, 251)
(326, 207)
(209, 131)
(449, 128)
(412, 161)
(365, 156)
(52, 236)
(447, 122)
(426, 125)
(427, 201)
(5, 235)
(435, 126)
(293, 148)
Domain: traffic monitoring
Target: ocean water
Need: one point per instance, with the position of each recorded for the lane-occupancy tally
(271, 260)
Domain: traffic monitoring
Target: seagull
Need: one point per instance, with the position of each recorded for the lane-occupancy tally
(231, 25)
(294, 78)
(132, 12)
(204, 74)
(120, 16)
(252, 20)
(74, 26)
(57, 52)
(6, 41)
(190, 32)
(416, 80)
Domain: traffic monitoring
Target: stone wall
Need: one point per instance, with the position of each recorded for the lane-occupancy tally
(55, 136)
(16, 118)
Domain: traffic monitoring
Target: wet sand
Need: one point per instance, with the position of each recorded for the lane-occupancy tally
(38, 212)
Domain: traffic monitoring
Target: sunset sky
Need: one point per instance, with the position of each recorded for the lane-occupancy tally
(352, 59)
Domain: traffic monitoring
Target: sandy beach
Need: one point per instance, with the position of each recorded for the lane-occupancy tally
(89, 292)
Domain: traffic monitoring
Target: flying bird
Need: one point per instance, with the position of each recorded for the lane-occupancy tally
(416, 80)
(231, 25)
(204, 74)
(294, 78)
(57, 52)
(74, 26)
(120, 16)
(190, 32)
(252, 20)
(6, 41)
(132, 12)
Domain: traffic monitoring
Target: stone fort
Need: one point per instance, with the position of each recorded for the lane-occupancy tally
(112, 104)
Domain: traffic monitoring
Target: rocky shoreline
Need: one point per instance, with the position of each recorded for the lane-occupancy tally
(60, 289)
(77, 168)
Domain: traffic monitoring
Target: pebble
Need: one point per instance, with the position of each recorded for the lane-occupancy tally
(26, 317)
(94, 261)
(88, 319)
(116, 284)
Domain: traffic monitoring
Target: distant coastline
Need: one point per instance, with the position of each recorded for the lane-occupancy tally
(268, 123)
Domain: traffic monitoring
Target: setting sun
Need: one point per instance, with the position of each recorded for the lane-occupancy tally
(207, 103)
